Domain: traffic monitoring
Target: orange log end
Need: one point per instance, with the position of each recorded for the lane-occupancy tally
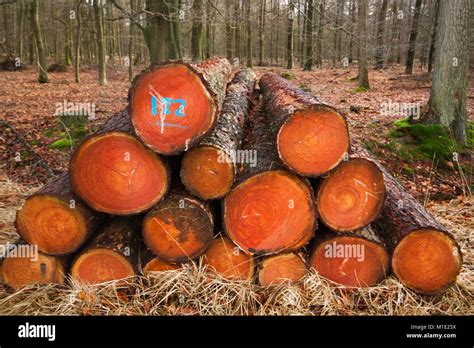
(99, 265)
(350, 261)
(270, 212)
(158, 265)
(313, 141)
(207, 172)
(281, 268)
(352, 195)
(114, 173)
(427, 260)
(171, 108)
(50, 222)
(20, 271)
(228, 260)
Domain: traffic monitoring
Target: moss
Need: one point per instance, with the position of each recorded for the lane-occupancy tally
(358, 90)
(286, 75)
(406, 169)
(35, 142)
(305, 88)
(48, 133)
(61, 144)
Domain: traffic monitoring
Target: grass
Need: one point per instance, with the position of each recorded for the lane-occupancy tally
(73, 131)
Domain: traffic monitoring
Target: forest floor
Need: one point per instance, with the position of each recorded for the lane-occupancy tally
(28, 159)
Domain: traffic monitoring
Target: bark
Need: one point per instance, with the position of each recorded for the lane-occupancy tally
(249, 34)
(157, 30)
(289, 35)
(77, 43)
(99, 27)
(433, 37)
(308, 66)
(362, 29)
(39, 41)
(9, 28)
(412, 40)
(319, 41)
(379, 56)
(261, 33)
(197, 31)
(237, 30)
(228, 32)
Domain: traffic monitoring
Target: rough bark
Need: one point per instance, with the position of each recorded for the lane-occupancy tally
(99, 27)
(289, 35)
(39, 41)
(362, 31)
(309, 36)
(412, 40)
(379, 55)
(197, 31)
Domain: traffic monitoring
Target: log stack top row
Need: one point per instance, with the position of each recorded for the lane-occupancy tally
(201, 150)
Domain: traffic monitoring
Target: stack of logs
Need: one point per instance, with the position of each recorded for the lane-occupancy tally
(206, 167)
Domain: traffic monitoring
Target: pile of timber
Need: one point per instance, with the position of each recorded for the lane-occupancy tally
(268, 185)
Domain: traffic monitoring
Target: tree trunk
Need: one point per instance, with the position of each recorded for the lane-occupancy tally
(249, 34)
(433, 37)
(447, 104)
(261, 33)
(150, 263)
(270, 210)
(157, 30)
(40, 53)
(99, 28)
(289, 35)
(209, 169)
(282, 268)
(9, 29)
(21, 20)
(77, 43)
(297, 119)
(379, 55)
(228, 32)
(196, 35)
(308, 66)
(169, 122)
(412, 41)
(238, 44)
(362, 29)
(319, 43)
(353, 26)
(111, 255)
(207, 40)
(180, 228)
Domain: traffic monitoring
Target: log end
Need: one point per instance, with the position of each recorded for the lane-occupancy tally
(226, 259)
(270, 212)
(207, 172)
(18, 272)
(98, 265)
(158, 265)
(427, 261)
(171, 108)
(114, 173)
(352, 195)
(49, 222)
(313, 141)
(350, 261)
(281, 268)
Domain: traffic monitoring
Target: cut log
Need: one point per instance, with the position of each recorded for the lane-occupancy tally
(271, 210)
(351, 196)
(174, 105)
(425, 256)
(226, 259)
(312, 138)
(180, 228)
(20, 270)
(208, 170)
(54, 218)
(357, 259)
(281, 268)
(150, 263)
(111, 255)
(114, 173)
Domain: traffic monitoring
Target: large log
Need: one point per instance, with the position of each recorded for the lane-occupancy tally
(208, 170)
(425, 256)
(354, 259)
(180, 228)
(173, 105)
(282, 268)
(270, 210)
(54, 218)
(351, 196)
(112, 254)
(311, 137)
(114, 173)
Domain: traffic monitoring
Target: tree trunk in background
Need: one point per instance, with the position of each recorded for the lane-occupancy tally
(40, 53)
(289, 35)
(196, 35)
(394, 35)
(9, 28)
(433, 37)
(207, 53)
(99, 28)
(362, 28)
(131, 43)
(309, 36)
(379, 55)
(68, 46)
(261, 32)
(338, 32)
(413, 35)
(447, 104)
(352, 29)
(249, 34)
(77, 43)
(228, 32)
(157, 30)
(238, 46)
(319, 43)
(21, 20)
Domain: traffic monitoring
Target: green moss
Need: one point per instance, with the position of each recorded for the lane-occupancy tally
(35, 142)
(305, 88)
(61, 144)
(48, 133)
(286, 75)
(358, 90)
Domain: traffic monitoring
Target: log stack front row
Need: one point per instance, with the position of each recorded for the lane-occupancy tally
(257, 183)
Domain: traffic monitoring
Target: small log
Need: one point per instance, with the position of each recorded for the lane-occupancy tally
(173, 105)
(226, 259)
(208, 170)
(425, 256)
(311, 137)
(150, 263)
(270, 210)
(179, 228)
(351, 196)
(357, 259)
(54, 218)
(278, 269)
(114, 173)
(111, 255)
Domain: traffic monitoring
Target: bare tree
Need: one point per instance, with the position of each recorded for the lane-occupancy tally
(413, 35)
(289, 35)
(39, 41)
(362, 28)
